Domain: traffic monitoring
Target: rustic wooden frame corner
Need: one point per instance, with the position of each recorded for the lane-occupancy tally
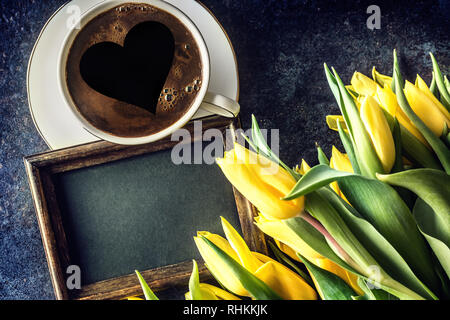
(40, 169)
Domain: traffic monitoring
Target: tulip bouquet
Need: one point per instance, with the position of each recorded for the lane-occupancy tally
(370, 223)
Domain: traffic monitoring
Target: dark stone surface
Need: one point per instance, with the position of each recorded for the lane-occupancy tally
(280, 45)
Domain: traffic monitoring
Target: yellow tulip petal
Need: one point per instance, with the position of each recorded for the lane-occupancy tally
(340, 161)
(332, 267)
(424, 88)
(363, 84)
(221, 242)
(281, 232)
(381, 79)
(376, 125)
(332, 122)
(388, 101)
(268, 171)
(218, 292)
(263, 185)
(352, 91)
(287, 250)
(426, 109)
(240, 247)
(219, 269)
(206, 294)
(304, 167)
(285, 282)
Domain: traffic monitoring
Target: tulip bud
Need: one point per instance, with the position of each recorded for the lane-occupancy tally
(283, 281)
(424, 88)
(363, 85)
(254, 176)
(426, 109)
(388, 101)
(378, 129)
(381, 79)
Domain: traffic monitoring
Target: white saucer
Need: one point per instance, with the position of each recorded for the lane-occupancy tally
(53, 118)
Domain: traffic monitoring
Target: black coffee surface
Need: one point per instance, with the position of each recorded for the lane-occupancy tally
(135, 72)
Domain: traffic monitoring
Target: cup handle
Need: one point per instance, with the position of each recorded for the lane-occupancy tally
(217, 104)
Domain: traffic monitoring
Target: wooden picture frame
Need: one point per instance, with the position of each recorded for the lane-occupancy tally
(40, 169)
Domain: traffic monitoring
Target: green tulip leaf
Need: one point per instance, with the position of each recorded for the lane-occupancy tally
(389, 215)
(315, 240)
(322, 156)
(433, 87)
(396, 134)
(318, 243)
(447, 84)
(348, 146)
(257, 288)
(396, 67)
(439, 147)
(329, 285)
(382, 251)
(434, 231)
(260, 145)
(368, 160)
(416, 151)
(445, 96)
(381, 206)
(433, 186)
(332, 82)
(194, 283)
(372, 293)
(319, 176)
(148, 293)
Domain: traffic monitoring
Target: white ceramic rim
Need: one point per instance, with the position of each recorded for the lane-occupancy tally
(102, 7)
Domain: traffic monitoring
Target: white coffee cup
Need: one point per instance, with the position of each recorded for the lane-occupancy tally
(209, 101)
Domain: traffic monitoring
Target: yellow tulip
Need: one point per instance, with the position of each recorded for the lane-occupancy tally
(339, 161)
(261, 181)
(381, 79)
(210, 292)
(388, 101)
(279, 278)
(290, 243)
(303, 167)
(352, 91)
(380, 134)
(287, 250)
(363, 85)
(332, 122)
(424, 88)
(288, 284)
(214, 265)
(426, 109)
(281, 232)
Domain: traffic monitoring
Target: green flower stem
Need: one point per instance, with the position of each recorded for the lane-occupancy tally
(319, 227)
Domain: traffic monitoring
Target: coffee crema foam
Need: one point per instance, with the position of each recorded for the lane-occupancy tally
(120, 118)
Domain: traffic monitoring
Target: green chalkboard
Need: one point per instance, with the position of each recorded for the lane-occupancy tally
(140, 213)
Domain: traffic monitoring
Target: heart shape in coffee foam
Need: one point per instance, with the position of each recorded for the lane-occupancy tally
(134, 73)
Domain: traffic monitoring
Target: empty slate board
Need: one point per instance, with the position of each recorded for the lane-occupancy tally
(111, 209)
(140, 213)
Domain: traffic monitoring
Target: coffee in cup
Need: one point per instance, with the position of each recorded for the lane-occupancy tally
(135, 72)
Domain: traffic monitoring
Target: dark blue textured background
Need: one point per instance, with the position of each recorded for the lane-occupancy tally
(280, 45)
